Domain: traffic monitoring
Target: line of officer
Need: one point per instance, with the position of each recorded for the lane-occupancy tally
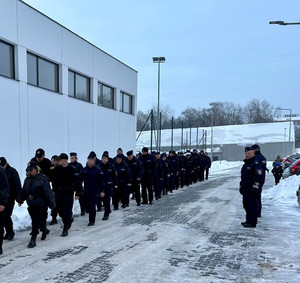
(251, 182)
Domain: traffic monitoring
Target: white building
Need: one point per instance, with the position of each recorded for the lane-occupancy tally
(58, 91)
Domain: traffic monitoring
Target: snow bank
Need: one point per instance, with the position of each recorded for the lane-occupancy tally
(21, 218)
(285, 192)
(220, 166)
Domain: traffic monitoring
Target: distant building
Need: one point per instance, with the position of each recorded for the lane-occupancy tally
(227, 142)
(58, 91)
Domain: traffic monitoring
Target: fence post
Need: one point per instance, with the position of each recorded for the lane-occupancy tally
(159, 139)
(191, 136)
(172, 127)
(151, 128)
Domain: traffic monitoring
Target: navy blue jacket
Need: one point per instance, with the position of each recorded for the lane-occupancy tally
(37, 192)
(136, 168)
(160, 172)
(173, 165)
(93, 179)
(124, 176)
(149, 166)
(110, 174)
(251, 176)
(78, 166)
(263, 162)
(4, 188)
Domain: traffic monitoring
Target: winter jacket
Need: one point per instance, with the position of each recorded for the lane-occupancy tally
(14, 181)
(4, 188)
(93, 179)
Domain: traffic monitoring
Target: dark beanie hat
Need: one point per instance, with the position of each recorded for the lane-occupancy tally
(105, 154)
(145, 149)
(2, 161)
(248, 148)
(130, 152)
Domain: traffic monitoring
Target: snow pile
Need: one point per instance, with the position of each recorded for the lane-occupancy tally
(285, 192)
(21, 218)
(220, 166)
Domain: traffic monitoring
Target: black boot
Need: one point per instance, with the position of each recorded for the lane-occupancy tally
(53, 221)
(1, 251)
(32, 243)
(10, 236)
(44, 234)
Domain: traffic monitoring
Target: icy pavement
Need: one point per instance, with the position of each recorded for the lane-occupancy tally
(192, 235)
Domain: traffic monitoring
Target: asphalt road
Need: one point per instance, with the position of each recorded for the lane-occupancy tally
(192, 235)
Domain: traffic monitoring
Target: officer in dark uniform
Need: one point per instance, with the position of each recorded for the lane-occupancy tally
(173, 167)
(263, 162)
(149, 166)
(54, 163)
(66, 181)
(38, 195)
(207, 165)
(93, 180)
(166, 173)
(159, 176)
(110, 180)
(183, 168)
(78, 166)
(196, 160)
(124, 183)
(201, 166)
(4, 200)
(180, 166)
(15, 188)
(43, 162)
(137, 171)
(189, 168)
(250, 186)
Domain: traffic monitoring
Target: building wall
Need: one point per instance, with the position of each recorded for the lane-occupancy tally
(33, 117)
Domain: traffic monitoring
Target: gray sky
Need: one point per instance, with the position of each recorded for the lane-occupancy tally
(215, 50)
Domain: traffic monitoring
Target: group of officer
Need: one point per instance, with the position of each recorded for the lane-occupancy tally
(53, 184)
(253, 175)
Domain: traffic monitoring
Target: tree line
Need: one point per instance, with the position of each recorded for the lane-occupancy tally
(218, 114)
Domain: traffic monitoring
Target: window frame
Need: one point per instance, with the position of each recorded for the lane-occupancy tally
(13, 60)
(131, 112)
(38, 69)
(74, 86)
(100, 88)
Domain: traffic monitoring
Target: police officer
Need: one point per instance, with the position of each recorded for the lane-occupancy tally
(250, 186)
(4, 200)
(66, 181)
(189, 168)
(183, 168)
(54, 163)
(124, 183)
(38, 195)
(201, 166)
(173, 167)
(93, 180)
(207, 165)
(196, 161)
(14, 183)
(137, 171)
(263, 162)
(43, 162)
(78, 166)
(149, 166)
(159, 176)
(110, 180)
(166, 173)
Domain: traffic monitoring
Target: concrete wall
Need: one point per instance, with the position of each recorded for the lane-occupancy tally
(33, 117)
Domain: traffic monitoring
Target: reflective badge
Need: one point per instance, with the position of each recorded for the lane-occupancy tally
(259, 172)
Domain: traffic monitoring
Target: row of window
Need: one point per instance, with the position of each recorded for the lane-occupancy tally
(45, 74)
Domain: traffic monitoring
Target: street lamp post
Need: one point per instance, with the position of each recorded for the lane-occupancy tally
(290, 130)
(282, 23)
(158, 60)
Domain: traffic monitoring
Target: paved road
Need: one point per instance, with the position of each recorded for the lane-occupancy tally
(192, 235)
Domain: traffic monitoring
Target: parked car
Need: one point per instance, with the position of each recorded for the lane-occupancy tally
(286, 173)
(295, 168)
(290, 160)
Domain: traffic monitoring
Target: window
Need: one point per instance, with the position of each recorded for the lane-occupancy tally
(42, 73)
(126, 103)
(106, 96)
(79, 86)
(7, 60)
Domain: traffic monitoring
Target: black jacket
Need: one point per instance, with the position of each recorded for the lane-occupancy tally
(136, 169)
(45, 166)
(66, 180)
(251, 176)
(93, 179)
(4, 188)
(124, 176)
(37, 192)
(277, 172)
(13, 181)
(110, 174)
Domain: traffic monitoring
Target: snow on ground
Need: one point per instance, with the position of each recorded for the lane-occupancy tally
(284, 194)
(220, 166)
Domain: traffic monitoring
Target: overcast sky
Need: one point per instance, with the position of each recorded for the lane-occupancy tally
(215, 50)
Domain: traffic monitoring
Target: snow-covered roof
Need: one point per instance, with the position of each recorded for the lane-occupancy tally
(233, 134)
